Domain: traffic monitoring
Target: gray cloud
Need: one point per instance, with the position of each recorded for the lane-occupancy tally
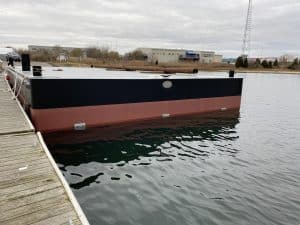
(126, 24)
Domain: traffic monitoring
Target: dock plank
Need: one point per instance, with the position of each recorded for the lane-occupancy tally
(23, 180)
(29, 185)
(21, 164)
(20, 161)
(12, 119)
(32, 190)
(37, 216)
(32, 199)
(69, 216)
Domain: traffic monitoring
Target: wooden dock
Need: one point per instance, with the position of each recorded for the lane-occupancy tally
(32, 189)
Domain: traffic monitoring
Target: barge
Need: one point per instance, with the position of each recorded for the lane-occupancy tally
(68, 99)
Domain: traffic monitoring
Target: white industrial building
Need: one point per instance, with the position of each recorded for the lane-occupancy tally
(159, 55)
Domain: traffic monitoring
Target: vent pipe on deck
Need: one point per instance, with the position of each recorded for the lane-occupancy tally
(231, 73)
(25, 62)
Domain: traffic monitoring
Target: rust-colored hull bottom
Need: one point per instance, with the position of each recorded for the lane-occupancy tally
(64, 119)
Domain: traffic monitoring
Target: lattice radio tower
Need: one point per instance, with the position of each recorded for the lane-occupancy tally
(247, 32)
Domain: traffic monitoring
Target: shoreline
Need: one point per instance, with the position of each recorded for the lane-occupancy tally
(179, 68)
(168, 68)
(259, 71)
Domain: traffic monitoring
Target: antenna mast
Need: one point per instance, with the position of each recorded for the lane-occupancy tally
(247, 32)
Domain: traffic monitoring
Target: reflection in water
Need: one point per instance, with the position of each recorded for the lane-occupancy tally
(125, 149)
(87, 181)
(163, 140)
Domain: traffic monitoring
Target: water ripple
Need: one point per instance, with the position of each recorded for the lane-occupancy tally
(241, 169)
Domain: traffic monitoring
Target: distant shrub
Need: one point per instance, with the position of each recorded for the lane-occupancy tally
(295, 64)
(270, 64)
(246, 63)
(135, 55)
(42, 56)
(265, 64)
(102, 53)
(76, 52)
(257, 61)
(276, 64)
(241, 62)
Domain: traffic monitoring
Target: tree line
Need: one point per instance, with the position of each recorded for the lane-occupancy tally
(94, 52)
(242, 62)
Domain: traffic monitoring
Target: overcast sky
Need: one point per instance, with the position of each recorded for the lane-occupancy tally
(127, 24)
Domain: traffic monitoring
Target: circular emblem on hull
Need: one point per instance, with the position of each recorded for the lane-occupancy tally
(167, 84)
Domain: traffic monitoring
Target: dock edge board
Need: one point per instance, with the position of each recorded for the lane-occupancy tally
(68, 190)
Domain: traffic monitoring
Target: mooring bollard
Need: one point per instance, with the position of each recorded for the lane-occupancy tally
(231, 73)
(25, 58)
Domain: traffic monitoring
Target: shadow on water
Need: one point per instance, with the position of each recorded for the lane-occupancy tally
(157, 138)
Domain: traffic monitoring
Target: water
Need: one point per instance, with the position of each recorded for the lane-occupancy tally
(241, 168)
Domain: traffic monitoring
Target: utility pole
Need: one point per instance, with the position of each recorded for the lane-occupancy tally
(247, 32)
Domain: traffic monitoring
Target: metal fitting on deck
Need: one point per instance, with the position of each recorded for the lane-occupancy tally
(37, 71)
